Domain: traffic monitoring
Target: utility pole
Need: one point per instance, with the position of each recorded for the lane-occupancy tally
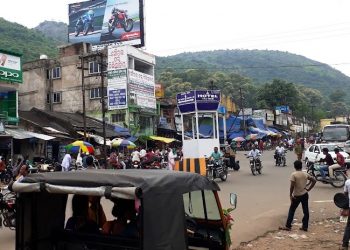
(82, 67)
(312, 116)
(242, 108)
(103, 103)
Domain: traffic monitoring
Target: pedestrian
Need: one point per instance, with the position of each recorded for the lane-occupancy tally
(66, 162)
(171, 159)
(346, 236)
(90, 162)
(298, 193)
(298, 150)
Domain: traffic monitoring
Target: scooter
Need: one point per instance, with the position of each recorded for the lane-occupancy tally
(281, 158)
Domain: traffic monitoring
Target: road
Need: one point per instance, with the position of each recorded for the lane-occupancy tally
(263, 200)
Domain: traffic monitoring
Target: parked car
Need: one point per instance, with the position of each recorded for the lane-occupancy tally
(314, 153)
(347, 147)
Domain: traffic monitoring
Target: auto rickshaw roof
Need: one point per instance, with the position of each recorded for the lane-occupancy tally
(158, 181)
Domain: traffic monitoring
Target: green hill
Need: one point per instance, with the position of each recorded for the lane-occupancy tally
(29, 42)
(55, 30)
(261, 66)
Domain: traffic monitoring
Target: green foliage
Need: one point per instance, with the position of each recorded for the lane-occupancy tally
(30, 43)
(55, 30)
(261, 66)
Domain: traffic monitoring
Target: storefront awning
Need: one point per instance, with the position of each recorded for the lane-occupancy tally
(162, 139)
(21, 134)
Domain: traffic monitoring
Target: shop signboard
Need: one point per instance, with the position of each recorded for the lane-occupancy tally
(200, 100)
(142, 86)
(101, 22)
(10, 67)
(116, 99)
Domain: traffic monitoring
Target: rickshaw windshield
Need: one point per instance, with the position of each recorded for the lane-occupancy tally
(194, 206)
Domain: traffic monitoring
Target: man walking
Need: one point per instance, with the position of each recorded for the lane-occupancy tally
(299, 194)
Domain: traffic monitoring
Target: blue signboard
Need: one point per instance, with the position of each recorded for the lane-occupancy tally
(283, 109)
(116, 99)
(200, 100)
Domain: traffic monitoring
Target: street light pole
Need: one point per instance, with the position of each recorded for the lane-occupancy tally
(242, 107)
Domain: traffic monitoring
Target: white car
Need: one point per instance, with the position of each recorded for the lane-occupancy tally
(314, 152)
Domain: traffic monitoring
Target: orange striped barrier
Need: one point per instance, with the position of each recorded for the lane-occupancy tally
(193, 165)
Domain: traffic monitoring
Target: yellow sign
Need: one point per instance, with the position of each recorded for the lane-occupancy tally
(159, 90)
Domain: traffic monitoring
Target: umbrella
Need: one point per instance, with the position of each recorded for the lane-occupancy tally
(122, 143)
(251, 137)
(82, 146)
(238, 139)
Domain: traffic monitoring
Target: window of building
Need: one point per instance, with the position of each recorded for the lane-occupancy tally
(94, 67)
(54, 73)
(118, 117)
(97, 93)
(56, 97)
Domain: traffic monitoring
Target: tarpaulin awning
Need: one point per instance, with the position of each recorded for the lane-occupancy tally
(21, 134)
(162, 139)
(98, 139)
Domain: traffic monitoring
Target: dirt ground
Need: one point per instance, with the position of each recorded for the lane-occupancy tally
(327, 234)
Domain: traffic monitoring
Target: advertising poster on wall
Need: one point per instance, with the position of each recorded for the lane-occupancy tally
(107, 22)
(116, 98)
(143, 87)
(10, 68)
(117, 78)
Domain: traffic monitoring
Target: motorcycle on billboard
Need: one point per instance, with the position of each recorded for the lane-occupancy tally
(120, 19)
(85, 23)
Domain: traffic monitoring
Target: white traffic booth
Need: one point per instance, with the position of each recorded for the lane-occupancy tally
(198, 109)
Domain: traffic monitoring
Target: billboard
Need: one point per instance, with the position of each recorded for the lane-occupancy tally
(117, 78)
(10, 68)
(142, 86)
(106, 22)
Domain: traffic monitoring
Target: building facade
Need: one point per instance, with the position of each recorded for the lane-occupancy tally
(81, 76)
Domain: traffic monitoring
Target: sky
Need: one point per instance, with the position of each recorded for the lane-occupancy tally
(317, 29)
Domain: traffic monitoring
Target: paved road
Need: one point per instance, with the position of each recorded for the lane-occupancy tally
(263, 200)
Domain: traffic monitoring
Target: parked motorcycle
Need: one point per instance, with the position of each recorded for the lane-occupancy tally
(255, 165)
(8, 210)
(85, 24)
(340, 175)
(216, 169)
(120, 19)
(281, 158)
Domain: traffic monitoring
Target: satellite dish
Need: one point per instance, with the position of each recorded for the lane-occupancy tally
(43, 57)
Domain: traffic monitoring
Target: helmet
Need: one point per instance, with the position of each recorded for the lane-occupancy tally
(91, 12)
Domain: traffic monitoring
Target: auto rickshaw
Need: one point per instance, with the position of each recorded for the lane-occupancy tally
(177, 210)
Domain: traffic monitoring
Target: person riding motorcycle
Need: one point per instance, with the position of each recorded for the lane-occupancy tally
(279, 151)
(216, 155)
(340, 162)
(88, 16)
(328, 160)
(255, 153)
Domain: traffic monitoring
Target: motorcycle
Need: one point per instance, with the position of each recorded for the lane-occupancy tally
(7, 175)
(281, 158)
(120, 19)
(255, 165)
(340, 175)
(84, 25)
(8, 210)
(216, 169)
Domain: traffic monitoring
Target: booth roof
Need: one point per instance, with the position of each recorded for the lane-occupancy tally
(148, 180)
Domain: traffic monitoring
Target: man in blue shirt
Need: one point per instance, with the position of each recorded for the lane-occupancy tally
(216, 155)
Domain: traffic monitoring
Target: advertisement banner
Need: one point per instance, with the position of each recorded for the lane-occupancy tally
(186, 101)
(141, 84)
(106, 22)
(146, 101)
(116, 99)
(159, 90)
(117, 58)
(10, 68)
